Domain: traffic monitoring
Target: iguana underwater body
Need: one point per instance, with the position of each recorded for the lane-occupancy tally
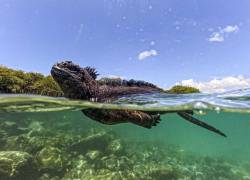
(81, 83)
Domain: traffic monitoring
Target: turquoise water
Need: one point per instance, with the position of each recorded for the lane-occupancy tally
(62, 143)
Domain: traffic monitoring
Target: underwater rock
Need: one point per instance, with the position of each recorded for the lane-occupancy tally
(25, 143)
(16, 143)
(51, 159)
(115, 163)
(115, 146)
(93, 154)
(99, 141)
(3, 136)
(11, 128)
(46, 176)
(17, 165)
(80, 169)
(35, 144)
(107, 175)
(106, 167)
(125, 162)
(109, 162)
(166, 172)
(38, 139)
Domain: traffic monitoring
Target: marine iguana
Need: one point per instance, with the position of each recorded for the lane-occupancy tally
(82, 83)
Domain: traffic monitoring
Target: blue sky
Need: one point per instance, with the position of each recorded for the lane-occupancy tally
(163, 41)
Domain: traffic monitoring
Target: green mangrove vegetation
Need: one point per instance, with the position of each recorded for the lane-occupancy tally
(179, 89)
(17, 81)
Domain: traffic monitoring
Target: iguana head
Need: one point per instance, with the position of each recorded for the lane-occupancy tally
(75, 82)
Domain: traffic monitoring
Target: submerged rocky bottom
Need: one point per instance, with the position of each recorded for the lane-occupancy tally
(53, 146)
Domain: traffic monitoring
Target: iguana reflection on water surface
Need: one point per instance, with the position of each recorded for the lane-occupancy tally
(81, 83)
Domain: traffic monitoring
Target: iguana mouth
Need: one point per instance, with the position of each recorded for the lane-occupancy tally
(59, 72)
(56, 69)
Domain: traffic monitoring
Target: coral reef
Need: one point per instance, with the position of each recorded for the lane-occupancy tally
(62, 148)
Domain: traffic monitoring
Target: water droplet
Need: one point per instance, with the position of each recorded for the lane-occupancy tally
(217, 109)
(200, 105)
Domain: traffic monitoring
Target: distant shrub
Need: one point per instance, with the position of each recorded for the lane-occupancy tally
(17, 81)
(179, 89)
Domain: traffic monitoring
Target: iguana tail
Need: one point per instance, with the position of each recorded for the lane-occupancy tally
(187, 116)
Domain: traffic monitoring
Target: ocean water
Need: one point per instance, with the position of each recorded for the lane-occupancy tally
(49, 138)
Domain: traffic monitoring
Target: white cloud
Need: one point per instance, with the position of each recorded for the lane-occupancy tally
(146, 54)
(218, 85)
(230, 29)
(216, 37)
(219, 36)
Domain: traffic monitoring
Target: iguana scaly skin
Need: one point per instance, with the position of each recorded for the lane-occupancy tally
(81, 83)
